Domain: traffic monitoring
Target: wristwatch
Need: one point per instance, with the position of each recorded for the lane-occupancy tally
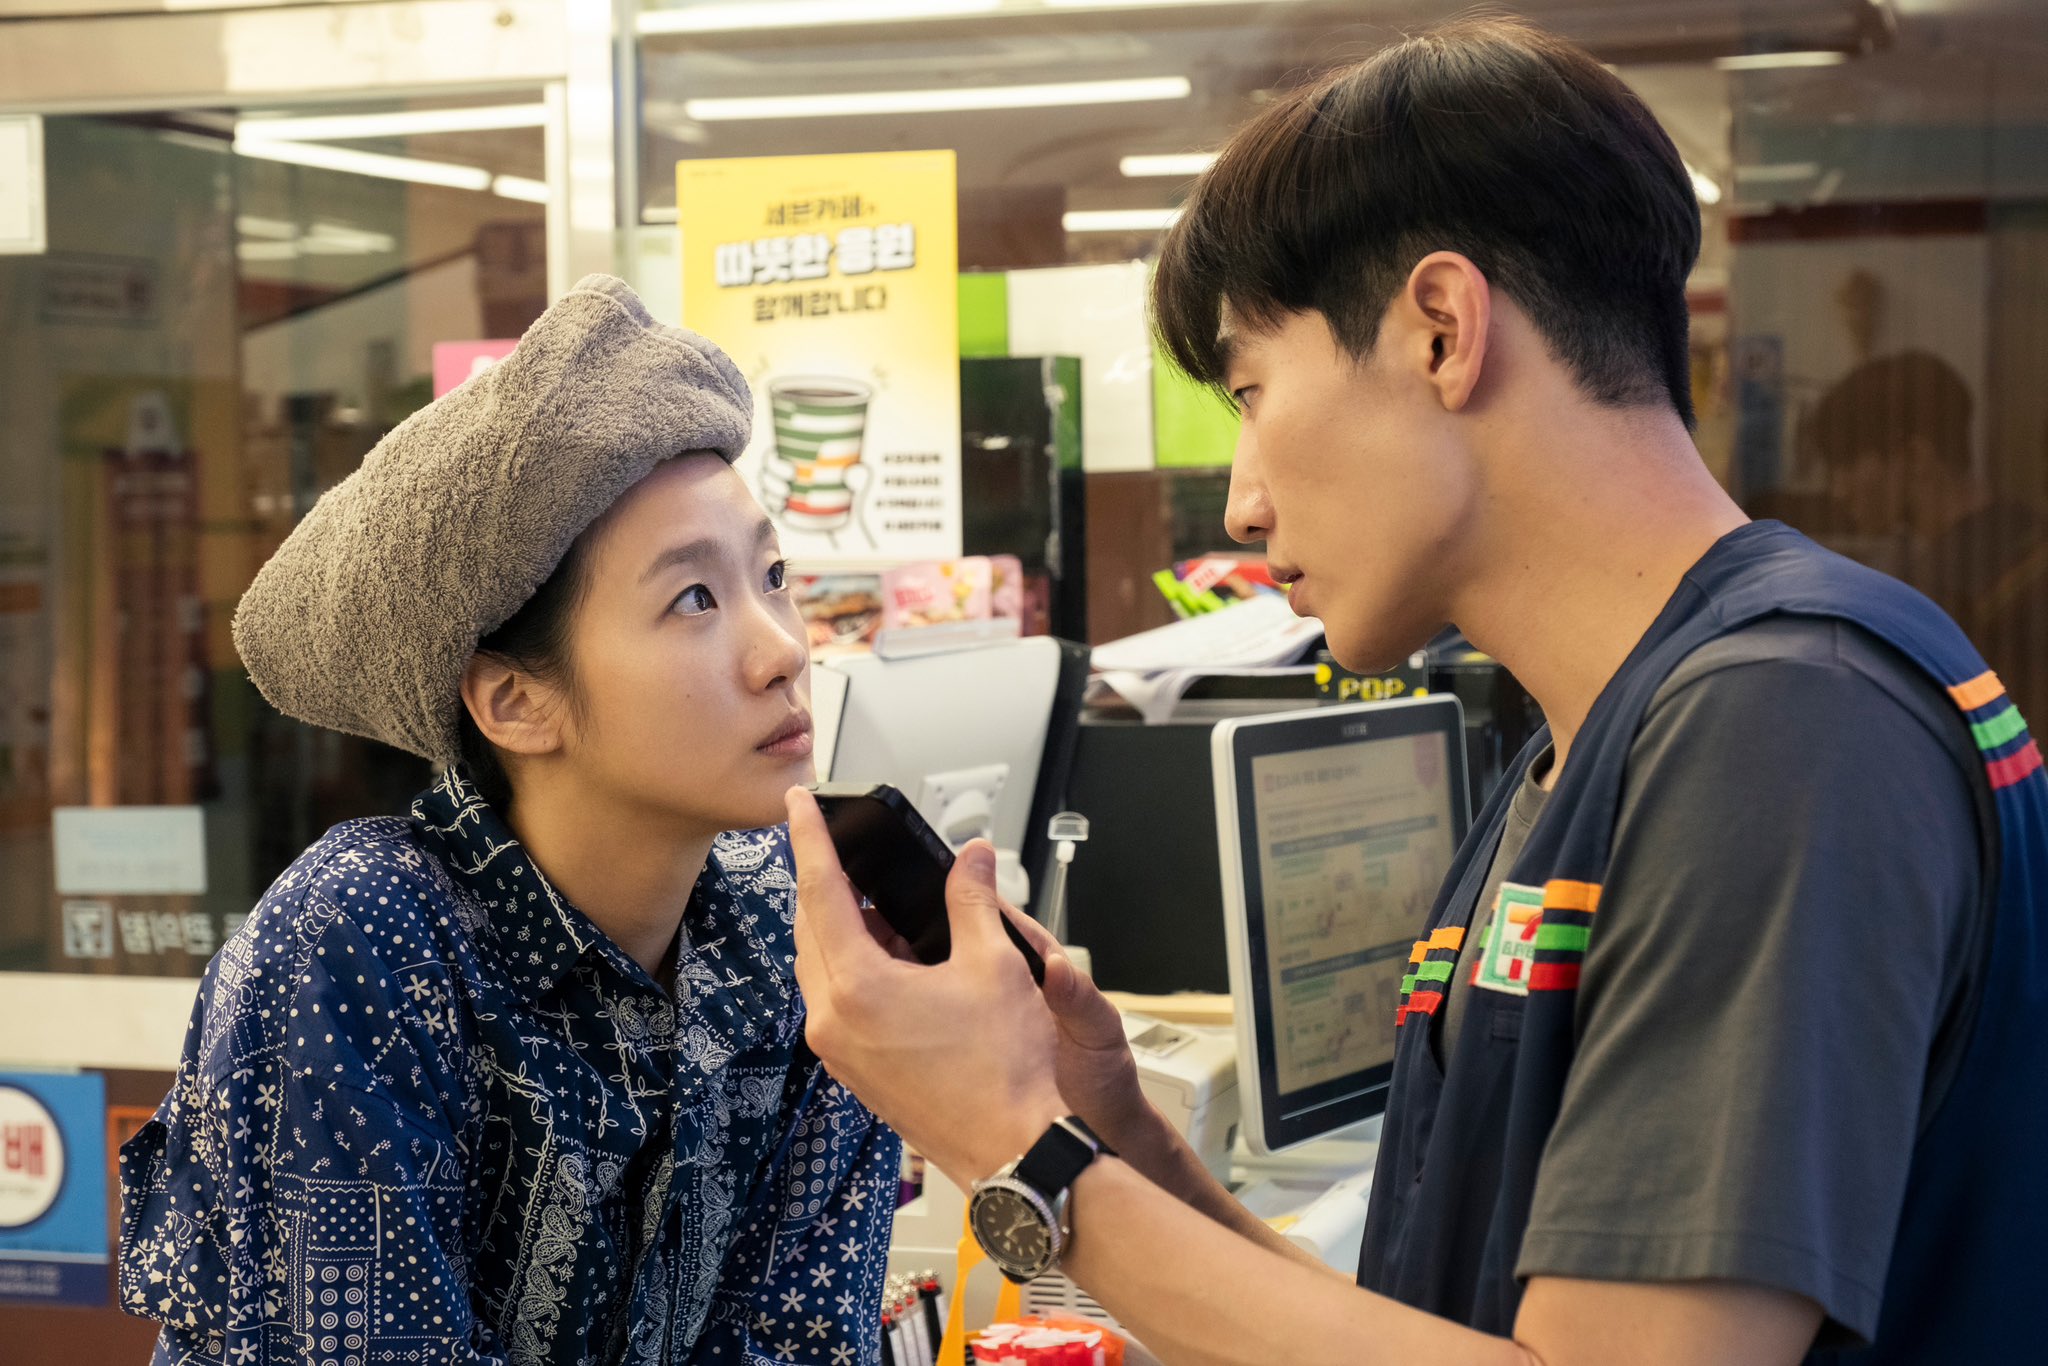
(1019, 1215)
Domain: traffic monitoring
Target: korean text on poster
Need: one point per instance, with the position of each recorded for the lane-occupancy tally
(831, 281)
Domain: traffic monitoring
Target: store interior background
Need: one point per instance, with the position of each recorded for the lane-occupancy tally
(229, 283)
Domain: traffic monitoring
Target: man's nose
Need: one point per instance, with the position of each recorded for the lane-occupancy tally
(1249, 514)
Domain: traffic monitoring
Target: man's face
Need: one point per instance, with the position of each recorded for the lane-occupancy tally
(689, 656)
(1346, 469)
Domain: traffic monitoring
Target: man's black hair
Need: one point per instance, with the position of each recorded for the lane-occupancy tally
(1487, 137)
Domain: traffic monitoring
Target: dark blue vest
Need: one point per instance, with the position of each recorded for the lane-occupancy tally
(1457, 1164)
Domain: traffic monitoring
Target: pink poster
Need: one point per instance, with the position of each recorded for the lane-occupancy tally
(455, 362)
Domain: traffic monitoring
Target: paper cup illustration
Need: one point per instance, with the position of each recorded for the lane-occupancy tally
(808, 480)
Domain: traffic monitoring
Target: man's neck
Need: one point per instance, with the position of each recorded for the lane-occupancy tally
(624, 868)
(1590, 526)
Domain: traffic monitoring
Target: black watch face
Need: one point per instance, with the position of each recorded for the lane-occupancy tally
(1011, 1230)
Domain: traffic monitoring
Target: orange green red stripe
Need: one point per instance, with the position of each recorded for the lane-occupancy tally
(1563, 934)
(2002, 729)
(1430, 963)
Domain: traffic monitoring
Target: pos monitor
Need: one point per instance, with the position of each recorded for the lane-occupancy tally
(1336, 827)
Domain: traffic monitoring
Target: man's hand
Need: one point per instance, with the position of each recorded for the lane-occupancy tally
(1094, 1066)
(959, 1058)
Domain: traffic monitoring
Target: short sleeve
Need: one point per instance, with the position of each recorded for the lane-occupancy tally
(1796, 857)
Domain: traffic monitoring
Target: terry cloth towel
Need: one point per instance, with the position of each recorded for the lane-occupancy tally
(367, 615)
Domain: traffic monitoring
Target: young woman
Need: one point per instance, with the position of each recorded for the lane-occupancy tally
(520, 1077)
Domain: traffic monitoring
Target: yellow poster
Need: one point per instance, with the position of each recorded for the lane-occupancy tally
(831, 282)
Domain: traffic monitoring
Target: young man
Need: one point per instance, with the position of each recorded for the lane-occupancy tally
(1775, 1092)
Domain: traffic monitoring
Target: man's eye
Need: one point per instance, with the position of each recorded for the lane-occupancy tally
(693, 601)
(778, 576)
(1243, 397)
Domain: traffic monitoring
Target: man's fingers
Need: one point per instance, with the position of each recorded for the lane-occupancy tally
(1035, 934)
(828, 917)
(885, 934)
(972, 906)
(1084, 1013)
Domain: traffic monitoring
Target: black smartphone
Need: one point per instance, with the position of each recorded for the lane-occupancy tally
(898, 862)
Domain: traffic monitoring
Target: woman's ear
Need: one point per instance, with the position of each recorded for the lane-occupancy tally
(517, 712)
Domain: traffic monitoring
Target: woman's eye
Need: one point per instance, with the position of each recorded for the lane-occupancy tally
(694, 601)
(778, 576)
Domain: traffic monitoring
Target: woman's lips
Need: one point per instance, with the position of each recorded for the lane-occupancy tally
(792, 741)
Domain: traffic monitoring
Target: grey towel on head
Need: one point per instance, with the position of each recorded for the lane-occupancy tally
(367, 615)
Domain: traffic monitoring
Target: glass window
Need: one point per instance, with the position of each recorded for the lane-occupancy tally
(1869, 313)
(234, 307)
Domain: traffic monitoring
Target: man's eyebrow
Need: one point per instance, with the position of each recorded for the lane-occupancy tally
(1228, 344)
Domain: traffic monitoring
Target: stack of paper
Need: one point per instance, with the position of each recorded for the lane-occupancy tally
(1259, 637)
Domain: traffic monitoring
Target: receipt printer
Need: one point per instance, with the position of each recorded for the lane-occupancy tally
(1190, 1073)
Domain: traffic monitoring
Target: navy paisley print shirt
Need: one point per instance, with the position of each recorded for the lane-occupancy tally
(429, 1113)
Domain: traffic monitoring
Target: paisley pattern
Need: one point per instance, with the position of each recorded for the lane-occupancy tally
(429, 1113)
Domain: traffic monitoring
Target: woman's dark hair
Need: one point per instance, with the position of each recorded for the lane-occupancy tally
(535, 641)
(1486, 137)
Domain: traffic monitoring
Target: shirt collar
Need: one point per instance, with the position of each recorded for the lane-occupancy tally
(538, 935)
(733, 977)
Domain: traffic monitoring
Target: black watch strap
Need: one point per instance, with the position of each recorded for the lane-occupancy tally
(1057, 1160)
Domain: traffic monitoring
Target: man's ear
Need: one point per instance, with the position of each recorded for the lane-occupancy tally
(1441, 323)
(515, 711)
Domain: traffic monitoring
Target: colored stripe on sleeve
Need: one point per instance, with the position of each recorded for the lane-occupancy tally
(1980, 691)
(1564, 895)
(1553, 976)
(2014, 767)
(1999, 729)
(1565, 938)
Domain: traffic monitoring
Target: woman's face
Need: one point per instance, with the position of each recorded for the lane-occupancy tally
(690, 664)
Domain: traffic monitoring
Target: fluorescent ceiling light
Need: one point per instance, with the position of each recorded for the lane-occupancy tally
(333, 239)
(1704, 187)
(519, 187)
(1175, 164)
(738, 18)
(938, 101)
(325, 158)
(397, 124)
(1778, 173)
(321, 239)
(1133, 4)
(249, 225)
(1118, 220)
(1773, 61)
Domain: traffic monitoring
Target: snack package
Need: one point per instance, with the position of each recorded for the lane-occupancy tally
(936, 592)
(842, 611)
(1230, 577)
(1047, 1341)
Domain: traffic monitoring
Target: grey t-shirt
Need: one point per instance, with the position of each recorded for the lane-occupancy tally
(1790, 938)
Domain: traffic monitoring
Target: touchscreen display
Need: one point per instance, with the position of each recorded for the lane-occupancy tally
(1353, 841)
